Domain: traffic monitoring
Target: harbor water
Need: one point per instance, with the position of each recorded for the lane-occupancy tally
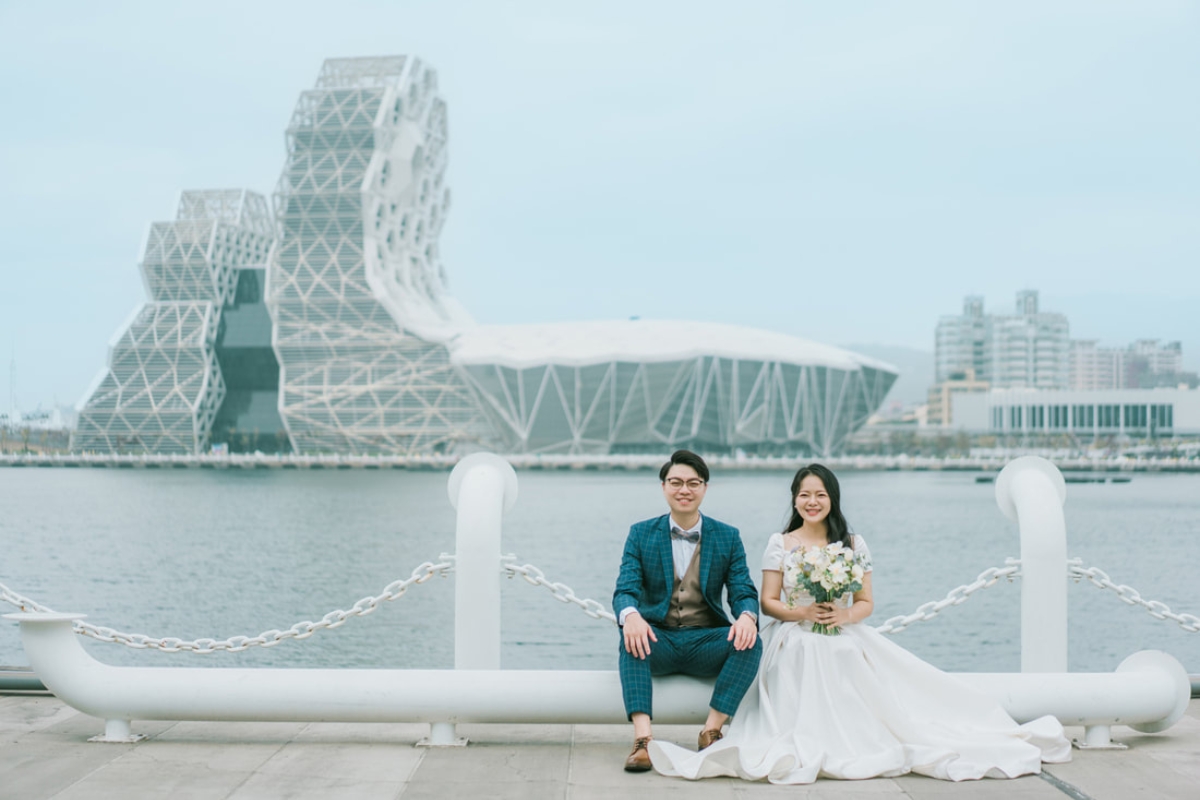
(213, 553)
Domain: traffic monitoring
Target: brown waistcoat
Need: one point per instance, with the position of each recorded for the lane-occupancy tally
(688, 608)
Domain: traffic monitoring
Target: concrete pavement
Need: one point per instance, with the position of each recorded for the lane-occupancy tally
(45, 755)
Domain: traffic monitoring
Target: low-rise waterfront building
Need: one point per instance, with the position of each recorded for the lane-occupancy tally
(55, 419)
(940, 408)
(1115, 413)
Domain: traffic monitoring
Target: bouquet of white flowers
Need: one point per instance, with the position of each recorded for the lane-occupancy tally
(827, 573)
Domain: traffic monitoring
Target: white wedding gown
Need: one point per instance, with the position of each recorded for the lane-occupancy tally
(857, 706)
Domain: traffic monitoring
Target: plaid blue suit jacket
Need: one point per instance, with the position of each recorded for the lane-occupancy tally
(648, 573)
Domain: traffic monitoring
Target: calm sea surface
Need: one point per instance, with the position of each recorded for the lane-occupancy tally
(206, 553)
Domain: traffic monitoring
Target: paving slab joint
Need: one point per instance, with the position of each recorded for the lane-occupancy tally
(1069, 789)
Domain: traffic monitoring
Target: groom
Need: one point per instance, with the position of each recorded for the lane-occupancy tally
(668, 602)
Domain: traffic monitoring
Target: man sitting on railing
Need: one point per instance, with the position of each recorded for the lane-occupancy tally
(668, 602)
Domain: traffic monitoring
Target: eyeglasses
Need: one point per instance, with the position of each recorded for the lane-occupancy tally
(679, 483)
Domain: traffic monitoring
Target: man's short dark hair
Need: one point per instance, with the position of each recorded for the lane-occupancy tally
(688, 459)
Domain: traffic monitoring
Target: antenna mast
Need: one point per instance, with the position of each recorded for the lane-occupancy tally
(12, 386)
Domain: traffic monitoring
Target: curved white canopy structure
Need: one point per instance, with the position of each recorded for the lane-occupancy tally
(650, 385)
(650, 341)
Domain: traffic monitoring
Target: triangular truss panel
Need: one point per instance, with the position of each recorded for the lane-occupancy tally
(708, 403)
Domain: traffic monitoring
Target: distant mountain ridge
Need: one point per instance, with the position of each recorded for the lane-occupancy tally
(916, 371)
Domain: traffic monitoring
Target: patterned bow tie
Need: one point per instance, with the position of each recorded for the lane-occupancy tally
(687, 536)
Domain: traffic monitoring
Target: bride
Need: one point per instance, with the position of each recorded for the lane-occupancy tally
(853, 705)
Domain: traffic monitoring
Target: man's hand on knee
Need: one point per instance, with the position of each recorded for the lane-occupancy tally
(638, 636)
(744, 632)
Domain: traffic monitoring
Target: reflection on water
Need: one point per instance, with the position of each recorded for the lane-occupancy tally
(198, 553)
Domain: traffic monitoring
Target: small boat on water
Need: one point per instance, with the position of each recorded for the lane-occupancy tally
(1071, 478)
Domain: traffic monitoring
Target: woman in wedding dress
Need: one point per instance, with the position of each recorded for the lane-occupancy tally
(853, 705)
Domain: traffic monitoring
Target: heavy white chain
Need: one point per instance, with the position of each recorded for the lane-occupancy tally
(20, 601)
(926, 611)
(235, 644)
(561, 591)
(956, 596)
(1156, 609)
(565, 594)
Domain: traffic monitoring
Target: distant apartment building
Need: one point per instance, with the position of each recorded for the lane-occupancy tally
(1150, 364)
(961, 342)
(1145, 364)
(1027, 349)
(1094, 368)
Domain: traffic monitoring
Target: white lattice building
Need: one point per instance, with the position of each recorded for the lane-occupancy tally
(375, 355)
(163, 386)
(357, 291)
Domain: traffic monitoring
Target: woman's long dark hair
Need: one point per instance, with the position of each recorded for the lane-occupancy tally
(836, 529)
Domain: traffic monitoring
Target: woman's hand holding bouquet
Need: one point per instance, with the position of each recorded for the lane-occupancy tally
(827, 574)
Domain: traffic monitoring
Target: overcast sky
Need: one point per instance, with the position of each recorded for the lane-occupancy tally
(844, 172)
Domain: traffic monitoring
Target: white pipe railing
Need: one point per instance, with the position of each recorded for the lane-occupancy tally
(1149, 691)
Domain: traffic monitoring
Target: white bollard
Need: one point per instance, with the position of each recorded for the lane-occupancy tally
(1031, 492)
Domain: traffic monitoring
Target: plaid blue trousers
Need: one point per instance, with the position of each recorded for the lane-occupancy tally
(702, 652)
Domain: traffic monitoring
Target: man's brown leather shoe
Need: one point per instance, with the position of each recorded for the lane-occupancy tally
(708, 737)
(639, 759)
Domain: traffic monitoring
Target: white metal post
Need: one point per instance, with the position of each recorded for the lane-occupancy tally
(1031, 492)
(482, 487)
(118, 731)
